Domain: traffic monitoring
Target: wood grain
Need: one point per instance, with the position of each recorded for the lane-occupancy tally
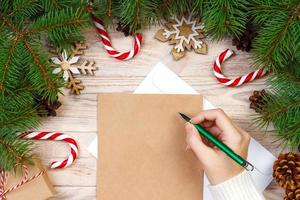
(77, 116)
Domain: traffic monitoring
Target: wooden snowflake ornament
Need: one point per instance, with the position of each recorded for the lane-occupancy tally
(70, 67)
(185, 33)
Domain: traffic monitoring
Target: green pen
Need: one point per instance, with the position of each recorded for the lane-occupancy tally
(223, 147)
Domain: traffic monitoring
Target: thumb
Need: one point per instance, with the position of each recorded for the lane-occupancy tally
(195, 142)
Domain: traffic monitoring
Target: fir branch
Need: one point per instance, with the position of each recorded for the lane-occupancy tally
(51, 5)
(7, 63)
(285, 116)
(5, 7)
(24, 8)
(21, 99)
(286, 80)
(42, 69)
(55, 20)
(105, 9)
(21, 121)
(263, 12)
(137, 13)
(198, 7)
(282, 105)
(18, 112)
(25, 68)
(13, 150)
(225, 18)
(179, 7)
(277, 40)
(62, 27)
(285, 108)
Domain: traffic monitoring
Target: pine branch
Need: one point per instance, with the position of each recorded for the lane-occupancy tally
(5, 7)
(278, 39)
(38, 63)
(13, 150)
(263, 12)
(14, 102)
(282, 109)
(179, 7)
(198, 7)
(137, 13)
(62, 27)
(104, 10)
(18, 8)
(24, 8)
(54, 5)
(8, 55)
(282, 105)
(21, 120)
(25, 70)
(53, 20)
(16, 116)
(225, 18)
(51, 5)
(43, 81)
(285, 117)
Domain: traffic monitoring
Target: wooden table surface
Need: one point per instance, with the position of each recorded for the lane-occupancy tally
(77, 115)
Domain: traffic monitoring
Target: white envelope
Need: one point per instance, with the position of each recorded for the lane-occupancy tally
(162, 80)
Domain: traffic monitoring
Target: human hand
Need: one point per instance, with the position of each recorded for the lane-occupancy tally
(216, 164)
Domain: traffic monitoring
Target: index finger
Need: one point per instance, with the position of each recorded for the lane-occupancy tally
(217, 115)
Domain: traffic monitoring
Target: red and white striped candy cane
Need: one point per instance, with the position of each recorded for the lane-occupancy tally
(217, 70)
(107, 43)
(36, 135)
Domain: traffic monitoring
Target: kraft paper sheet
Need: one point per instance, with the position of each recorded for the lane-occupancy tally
(142, 145)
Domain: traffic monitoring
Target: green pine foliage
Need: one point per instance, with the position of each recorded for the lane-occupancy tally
(225, 18)
(137, 13)
(105, 9)
(277, 47)
(222, 17)
(25, 70)
(279, 36)
(282, 107)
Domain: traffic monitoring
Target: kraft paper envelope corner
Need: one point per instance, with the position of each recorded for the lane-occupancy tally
(162, 80)
(37, 189)
(142, 148)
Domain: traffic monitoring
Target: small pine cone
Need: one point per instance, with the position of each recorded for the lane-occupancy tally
(124, 29)
(292, 194)
(257, 100)
(46, 108)
(286, 171)
(244, 42)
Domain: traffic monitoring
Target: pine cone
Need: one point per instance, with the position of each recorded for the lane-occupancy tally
(257, 100)
(292, 194)
(244, 42)
(286, 171)
(46, 108)
(124, 29)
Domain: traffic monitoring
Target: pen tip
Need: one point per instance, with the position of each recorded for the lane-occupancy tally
(186, 118)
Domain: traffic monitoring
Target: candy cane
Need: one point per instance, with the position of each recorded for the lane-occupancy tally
(107, 43)
(35, 135)
(217, 70)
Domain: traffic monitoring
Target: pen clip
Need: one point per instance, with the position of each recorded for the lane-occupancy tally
(248, 166)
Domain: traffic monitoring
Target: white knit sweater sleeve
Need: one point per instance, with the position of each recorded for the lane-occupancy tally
(240, 187)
